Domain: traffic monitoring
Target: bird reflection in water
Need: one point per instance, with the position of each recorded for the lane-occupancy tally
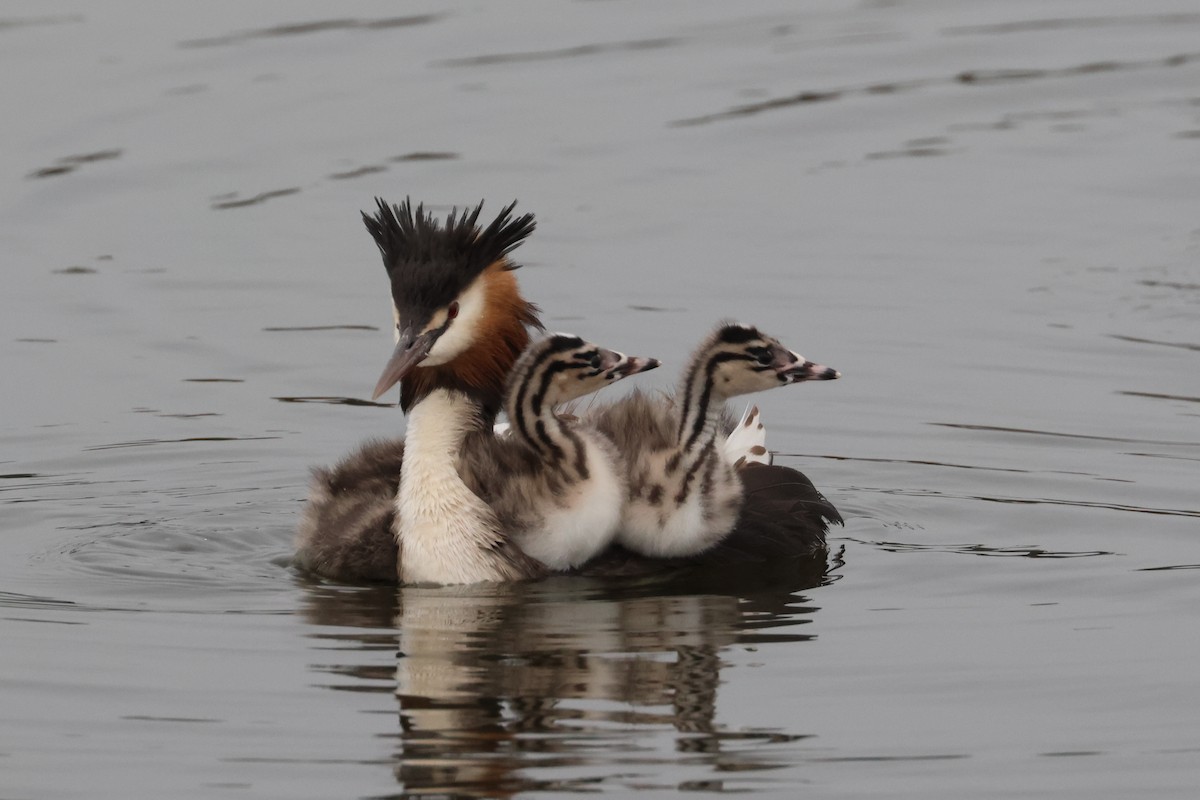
(569, 683)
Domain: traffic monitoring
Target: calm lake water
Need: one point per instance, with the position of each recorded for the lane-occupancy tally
(983, 214)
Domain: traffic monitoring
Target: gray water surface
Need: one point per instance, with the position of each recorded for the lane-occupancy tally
(983, 214)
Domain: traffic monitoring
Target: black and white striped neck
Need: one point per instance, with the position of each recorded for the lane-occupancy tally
(532, 395)
(701, 402)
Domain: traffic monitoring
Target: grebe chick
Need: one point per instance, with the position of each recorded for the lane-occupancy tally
(396, 510)
(558, 486)
(685, 494)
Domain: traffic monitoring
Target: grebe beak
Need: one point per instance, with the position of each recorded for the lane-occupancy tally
(804, 370)
(411, 350)
(618, 365)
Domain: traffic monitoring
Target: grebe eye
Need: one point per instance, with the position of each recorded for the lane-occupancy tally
(452, 310)
(595, 362)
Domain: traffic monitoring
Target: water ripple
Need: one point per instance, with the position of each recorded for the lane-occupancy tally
(980, 550)
(1140, 340)
(70, 163)
(1159, 396)
(261, 197)
(1059, 434)
(931, 463)
(554, 55)
(165, 556)
(976, 77)
(318, 26)
(152, 442)
(1073, 23)
(298, 328)
(1032, 501)
(337, 401)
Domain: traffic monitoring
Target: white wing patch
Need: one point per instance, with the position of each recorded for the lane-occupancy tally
(748, 441)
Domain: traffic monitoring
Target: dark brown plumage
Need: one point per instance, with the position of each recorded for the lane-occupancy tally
(781, 529)
(346, 531)
(783, 516)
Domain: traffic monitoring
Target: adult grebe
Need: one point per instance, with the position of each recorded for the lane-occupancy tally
(461, 323)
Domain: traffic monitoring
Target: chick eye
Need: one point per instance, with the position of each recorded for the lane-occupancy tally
(595, 362)
(452, 310)
(762, 355)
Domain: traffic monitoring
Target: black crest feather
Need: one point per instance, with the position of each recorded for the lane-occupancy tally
(430, 261)
(403, 235)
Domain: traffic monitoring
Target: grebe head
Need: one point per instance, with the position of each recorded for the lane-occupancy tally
(460, 320)
(744, 360)
(563, 367)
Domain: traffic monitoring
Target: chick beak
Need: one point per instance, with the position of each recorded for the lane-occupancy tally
(618, 365)
(411, 350)
(796, 369)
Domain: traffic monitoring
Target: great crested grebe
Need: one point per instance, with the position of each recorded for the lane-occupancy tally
(686, 492)
(461, 324)
(460, 316)
(557, 485)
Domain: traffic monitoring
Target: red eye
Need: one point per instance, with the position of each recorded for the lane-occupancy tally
(452, 310)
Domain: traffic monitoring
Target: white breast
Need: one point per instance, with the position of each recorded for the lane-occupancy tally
(443, 527)
(588, 519)
(655, 525)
